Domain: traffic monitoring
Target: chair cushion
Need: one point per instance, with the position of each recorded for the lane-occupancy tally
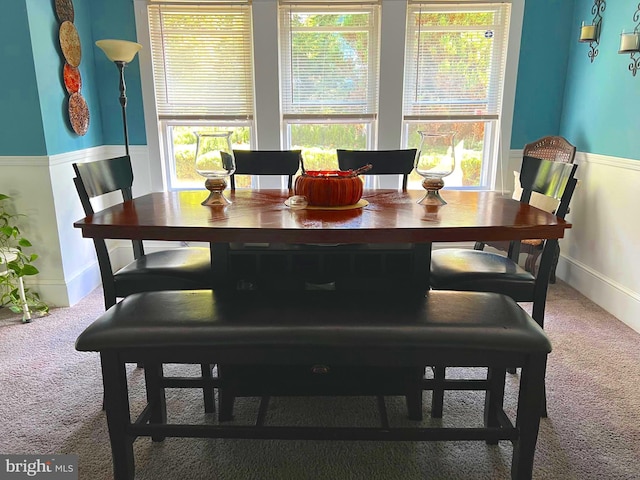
(174, 269)
(477, 270)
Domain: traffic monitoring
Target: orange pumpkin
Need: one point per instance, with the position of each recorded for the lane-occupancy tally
(329, 188)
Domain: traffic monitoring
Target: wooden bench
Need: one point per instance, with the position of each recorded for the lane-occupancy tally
(331, 329)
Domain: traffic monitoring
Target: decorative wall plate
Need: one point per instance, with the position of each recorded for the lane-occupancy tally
(72, 79)
(70, 43)
(64, 10)
(78, 113)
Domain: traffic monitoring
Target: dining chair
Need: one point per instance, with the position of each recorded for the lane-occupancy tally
(259, 265)
(383, 162)
(266, 162)
(484, 271)
(183, 268)
(556, 149)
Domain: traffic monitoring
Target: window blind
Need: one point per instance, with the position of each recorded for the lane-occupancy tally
(455, 60)
(329, 59)
(202, 60)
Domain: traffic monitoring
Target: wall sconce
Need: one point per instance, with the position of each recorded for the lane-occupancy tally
(591, 33)
(630, 43)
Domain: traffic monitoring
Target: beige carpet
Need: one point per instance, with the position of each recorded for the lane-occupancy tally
(50, 402)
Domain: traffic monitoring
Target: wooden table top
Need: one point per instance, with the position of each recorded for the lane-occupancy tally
(261, 216)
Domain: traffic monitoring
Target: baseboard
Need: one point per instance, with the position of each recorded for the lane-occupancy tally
(621, 302)
(66, 293)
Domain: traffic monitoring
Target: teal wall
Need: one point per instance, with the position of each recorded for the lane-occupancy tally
(559, 91)
(602, 99)
(115, 19)
(21, 129)
(542, 70)
(49, 63)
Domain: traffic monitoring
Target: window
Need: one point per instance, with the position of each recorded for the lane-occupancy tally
(329, 77)
(454, 76)
(203, 77)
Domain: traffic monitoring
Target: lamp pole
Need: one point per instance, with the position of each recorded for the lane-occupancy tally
(123, 102)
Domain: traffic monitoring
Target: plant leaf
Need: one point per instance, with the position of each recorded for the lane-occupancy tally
(23, 242)
(29, 270)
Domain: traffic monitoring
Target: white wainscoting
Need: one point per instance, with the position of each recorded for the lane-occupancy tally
(600, 254)
(42, 188)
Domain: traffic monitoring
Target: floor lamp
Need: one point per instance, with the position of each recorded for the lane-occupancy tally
(121, 52)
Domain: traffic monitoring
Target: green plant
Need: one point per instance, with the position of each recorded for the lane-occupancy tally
(15, 263)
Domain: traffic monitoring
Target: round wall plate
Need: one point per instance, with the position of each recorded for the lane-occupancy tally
(70, 43)
(72, 79)
(78, 113)
(64, 10)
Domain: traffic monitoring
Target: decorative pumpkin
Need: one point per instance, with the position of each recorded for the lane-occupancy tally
(329, 188)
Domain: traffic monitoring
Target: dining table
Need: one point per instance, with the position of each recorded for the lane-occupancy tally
(388, 228)
(380, 246)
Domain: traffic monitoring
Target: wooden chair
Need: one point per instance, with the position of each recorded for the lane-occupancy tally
(255, 265)
(182, 268)
(384, 162)
(477, 270)
(556, 149)
(267, 162)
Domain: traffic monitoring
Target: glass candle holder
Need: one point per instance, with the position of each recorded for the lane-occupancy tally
(214, 160)
(435, 160)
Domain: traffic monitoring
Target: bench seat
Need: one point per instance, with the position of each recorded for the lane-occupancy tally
(338, 329)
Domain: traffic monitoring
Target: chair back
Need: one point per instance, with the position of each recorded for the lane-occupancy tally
(94, 179)
(548, 178)
(553, 148)
(383, 162)
(267, 162)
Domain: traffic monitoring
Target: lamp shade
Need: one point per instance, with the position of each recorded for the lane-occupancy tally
(119, 50)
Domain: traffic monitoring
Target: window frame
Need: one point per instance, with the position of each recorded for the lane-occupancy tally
(492, 119)
(269, 133)
(367, 118)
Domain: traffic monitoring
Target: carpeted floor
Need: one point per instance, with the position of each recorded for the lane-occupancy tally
(50, 402)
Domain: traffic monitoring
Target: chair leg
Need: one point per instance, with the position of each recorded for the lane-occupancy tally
(556, 258)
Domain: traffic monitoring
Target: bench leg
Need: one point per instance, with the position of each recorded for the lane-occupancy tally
(226, 396)
(437, 396)
(413, 395)
(116, 405)
(494, 398)
(530, 399)
(153, 375)
(207, 389)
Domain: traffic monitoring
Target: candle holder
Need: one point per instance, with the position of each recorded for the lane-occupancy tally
(591, 33)
(214, 160)
(630, 43)
(435, 159)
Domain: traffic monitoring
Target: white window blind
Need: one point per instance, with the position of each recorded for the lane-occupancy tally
(202, 60)
(455, 60)
(329, 59)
